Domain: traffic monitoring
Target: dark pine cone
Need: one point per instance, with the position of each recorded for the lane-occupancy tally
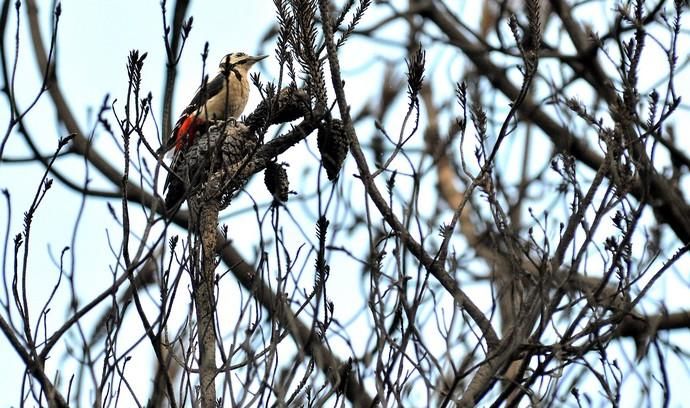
(333, 144)
(276, 180)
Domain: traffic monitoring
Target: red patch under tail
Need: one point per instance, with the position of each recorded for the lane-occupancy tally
(185, 134)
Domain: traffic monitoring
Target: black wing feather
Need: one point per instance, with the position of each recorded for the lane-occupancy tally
(202, 95)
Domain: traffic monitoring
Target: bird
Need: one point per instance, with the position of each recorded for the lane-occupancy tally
(222, 98)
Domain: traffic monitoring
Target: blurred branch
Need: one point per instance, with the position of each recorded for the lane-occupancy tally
(174, 42)
(80, 143)
(447, 281)
(666, 202)
(641, 326)
(36, 368)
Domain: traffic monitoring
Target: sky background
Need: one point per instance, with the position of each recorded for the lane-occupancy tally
(95, 38)
(94, 41)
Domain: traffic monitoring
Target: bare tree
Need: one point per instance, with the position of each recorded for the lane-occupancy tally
(498, 234)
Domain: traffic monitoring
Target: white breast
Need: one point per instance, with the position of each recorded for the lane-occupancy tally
(231, 103)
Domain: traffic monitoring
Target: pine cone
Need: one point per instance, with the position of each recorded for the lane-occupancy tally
(333, 144)
(276, 180)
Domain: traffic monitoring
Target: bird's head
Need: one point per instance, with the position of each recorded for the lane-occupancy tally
(239, 61)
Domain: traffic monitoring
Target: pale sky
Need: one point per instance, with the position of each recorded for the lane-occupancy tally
(95, 38)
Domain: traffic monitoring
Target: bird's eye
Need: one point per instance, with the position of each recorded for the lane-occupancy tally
(240, 54)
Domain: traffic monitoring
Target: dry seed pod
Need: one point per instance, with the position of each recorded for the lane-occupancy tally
(333, 144)
(291, 104)
(276, 180)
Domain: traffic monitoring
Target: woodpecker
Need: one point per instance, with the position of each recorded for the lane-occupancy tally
(222, 98)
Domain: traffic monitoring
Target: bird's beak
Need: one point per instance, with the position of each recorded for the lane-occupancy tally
(259, 58)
